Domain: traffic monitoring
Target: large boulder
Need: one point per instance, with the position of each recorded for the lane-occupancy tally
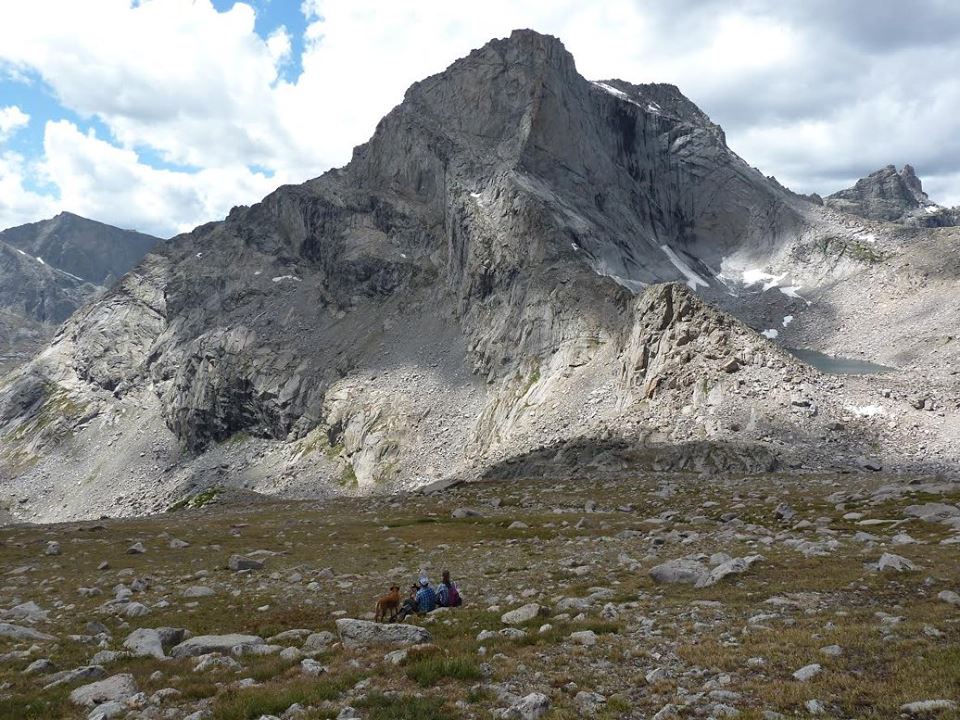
(203, 644)
(363, 633)
(524, 614)
(18, 632)
(734, 566)
(532, 707)
(145, 642)
(682, 571)
(116, 688)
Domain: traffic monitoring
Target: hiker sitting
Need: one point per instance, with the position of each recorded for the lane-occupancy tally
(447, 593)
(409, 605)
(426, 597)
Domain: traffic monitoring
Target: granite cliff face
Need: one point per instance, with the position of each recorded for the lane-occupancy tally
(478, 285)
(49, 269)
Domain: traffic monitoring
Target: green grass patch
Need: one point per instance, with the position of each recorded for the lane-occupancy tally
(429, 671)
(404, 707)
(274, 699)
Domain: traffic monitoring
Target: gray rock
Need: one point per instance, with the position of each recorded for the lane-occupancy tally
(362, 633)
(735, 566)
(116, 688)
(203, 644)
(807, 672)
(145, 642)
(932, 512)
(949, 597)
(17, 632)
(687, 572)
(922, 708)
(66, 677)
(42, 666)
(531, 707)
(136, 549)
(53, 548)
(198, 591)
(465, 512)
(524, 614)
(108, 710)
(584, 637)
(29, 611)
(241, 562)
(311, 667)
(135, 610)
(896, 563)
(318, 641)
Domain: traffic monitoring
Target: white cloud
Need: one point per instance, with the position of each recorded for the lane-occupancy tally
(19, 204)
(12, 119)
(99, 180)
(809, 95)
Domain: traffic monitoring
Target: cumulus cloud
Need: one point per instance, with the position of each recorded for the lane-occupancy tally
(818, 93)
(12, 119)
(97, 179)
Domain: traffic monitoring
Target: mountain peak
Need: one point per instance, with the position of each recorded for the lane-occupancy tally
(885, 194)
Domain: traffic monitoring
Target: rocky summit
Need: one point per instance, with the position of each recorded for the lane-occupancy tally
(522, 272)
(897, 196)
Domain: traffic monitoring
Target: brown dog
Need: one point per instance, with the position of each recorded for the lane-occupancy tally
(389, 602)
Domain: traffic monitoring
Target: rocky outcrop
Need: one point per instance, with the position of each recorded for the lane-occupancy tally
(895, 196)
(362, 633)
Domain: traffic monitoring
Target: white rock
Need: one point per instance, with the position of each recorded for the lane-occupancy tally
(145, 642)
(203, 644)
(363, 633)
(807, 672)
(118, 688)
(524, 614)
(928, 707)
(532, 707)
(584, 637)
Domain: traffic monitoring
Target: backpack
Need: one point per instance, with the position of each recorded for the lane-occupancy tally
(453, 596)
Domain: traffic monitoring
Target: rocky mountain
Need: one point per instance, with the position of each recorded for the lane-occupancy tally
(90, 250)
(895, 196)
(522, 272)
(50, 268)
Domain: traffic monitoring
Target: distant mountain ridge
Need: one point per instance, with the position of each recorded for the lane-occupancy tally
(50, 268)
(89, 250)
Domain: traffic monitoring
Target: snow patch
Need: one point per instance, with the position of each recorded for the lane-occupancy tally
(865, 410)
(770, 334)
(574, 246)
(281, 278)
(693, 280)
(787, 319)
(868, 237)
(40, 260)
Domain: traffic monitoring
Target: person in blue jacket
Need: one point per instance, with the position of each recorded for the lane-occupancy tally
(426, 597)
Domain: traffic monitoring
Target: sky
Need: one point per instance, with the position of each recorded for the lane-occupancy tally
(160, 115)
